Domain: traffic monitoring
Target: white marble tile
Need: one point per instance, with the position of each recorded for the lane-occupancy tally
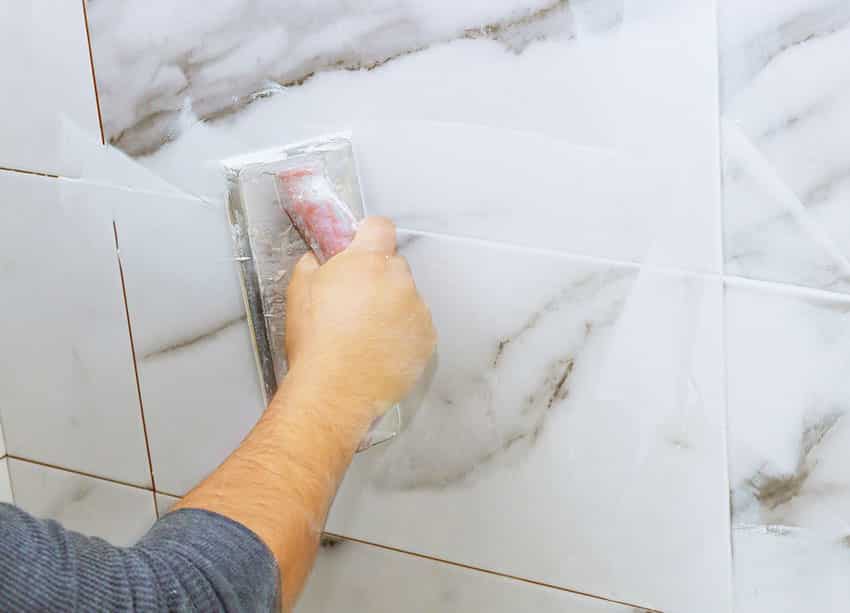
(666, 86)
(83, 156)
(194, 355)
(514, 187)
(44, 59)
(361, 578)
(789, 413)
(5, 484)
(663, 207)
(197, 373)
(2, 440)
(164, 503)
(786, 95)
(200, 402)
(572, 436)
(788, 444)
(784, 569)
(118, 513)
(770, 235)
(482, 62)
(68, 389)
(490, 183)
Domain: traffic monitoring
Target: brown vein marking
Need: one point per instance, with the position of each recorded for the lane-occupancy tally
(636, 607)
(560, 391)
(774, 491)
(188, 342)
(551, 305)
(491, 30)
(133, 354)
(93, 75)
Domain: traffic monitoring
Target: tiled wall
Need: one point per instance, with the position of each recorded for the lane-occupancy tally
(625, 334)
(110, 337)
(47, 78)
(68, 397)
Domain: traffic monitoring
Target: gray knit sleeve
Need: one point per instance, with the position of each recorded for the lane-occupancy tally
(190, 560)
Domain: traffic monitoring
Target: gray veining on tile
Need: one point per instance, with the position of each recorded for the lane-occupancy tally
(219, 63)
(786, 95)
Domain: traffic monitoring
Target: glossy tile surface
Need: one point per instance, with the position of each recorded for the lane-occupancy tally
(587, 159)
(44, 60)
(164, 503)
(786, 112)
(361, 578)
(789, 439)
(197, 374)
(67, 390)
(543, 422)
(786, 569)
(118, 513)
(478, 62)
(557, 168)
(503, 147)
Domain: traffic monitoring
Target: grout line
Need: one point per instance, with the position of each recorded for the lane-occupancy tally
(175, 194)
(155, 505)
(501, 244)
(777, 286)
(169, 494)
(34, 173)
(133, 354)
(721, 266)
(790, 289)
(93, 75)
(494, 572)
(720, 221)
(77, 472)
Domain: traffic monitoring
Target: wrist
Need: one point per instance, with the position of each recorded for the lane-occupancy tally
(323, 397)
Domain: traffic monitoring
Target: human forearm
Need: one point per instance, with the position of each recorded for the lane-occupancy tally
(279, 483)
(357, 337)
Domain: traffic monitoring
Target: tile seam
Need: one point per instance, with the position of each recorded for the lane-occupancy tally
(133, 355)
(642, 608)
(12, 456)
(93, 72)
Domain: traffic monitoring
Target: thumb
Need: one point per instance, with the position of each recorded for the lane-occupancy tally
(301, 274)
(305, 267)
(375, 234)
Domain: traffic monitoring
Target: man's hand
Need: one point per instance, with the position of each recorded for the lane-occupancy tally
(358, 323)
(357, 337)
